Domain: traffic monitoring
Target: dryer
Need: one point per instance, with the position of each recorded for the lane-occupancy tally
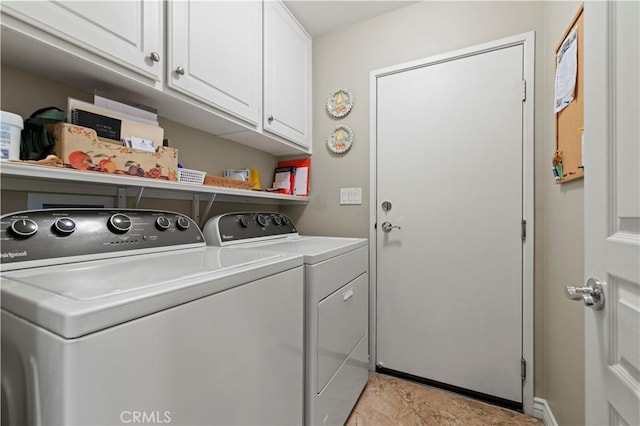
(336, 305)
(126, 316)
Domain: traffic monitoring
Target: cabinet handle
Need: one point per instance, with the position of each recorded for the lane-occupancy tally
(155, 57)
(347, 295)
(180, 70)
(270, 119)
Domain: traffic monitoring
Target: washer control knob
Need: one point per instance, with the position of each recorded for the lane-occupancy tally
(262, 220)
(163, 223)
(277, 220)
(244, 222)
(119, 223)
(285, 220)
(64, 226)
(183, 223)
(24, 228)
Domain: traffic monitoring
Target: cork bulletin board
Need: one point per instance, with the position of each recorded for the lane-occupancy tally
(570, 120)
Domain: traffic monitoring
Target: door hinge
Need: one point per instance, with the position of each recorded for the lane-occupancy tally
(523, 368)
(523, 230)
(524, 90)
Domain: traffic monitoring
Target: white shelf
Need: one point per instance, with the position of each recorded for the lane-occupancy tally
(23, 177)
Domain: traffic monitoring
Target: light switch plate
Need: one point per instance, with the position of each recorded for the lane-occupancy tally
(350, 196)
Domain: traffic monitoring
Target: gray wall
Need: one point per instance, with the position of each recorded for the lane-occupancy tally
(560, 211)
(23, 93)
(345, 59)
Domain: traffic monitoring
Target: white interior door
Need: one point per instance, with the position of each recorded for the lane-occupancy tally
(612, 210)
(450, 161)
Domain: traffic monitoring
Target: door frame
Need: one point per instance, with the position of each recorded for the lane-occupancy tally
(527, 40)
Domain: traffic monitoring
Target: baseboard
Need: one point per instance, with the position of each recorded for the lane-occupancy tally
(542, 411)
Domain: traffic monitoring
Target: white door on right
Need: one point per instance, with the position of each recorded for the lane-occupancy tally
(612, 211)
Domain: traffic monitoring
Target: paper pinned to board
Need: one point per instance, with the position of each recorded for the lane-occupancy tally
(566, 71)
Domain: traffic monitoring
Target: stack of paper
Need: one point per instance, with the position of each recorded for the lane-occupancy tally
(135, 112)
(113, 125)
(139, 143)
(292, 177)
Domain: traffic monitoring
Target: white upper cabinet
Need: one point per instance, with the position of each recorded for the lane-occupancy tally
(215, 54)
(240, 70)
(127, 33)
(287, 75)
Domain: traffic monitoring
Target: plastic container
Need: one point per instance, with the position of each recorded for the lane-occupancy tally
(191, 176)
(242, 174)
(10, 128)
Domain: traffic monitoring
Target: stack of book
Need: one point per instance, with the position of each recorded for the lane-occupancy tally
(114, 121)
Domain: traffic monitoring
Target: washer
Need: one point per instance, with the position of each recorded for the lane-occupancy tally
(336, 305)
(127, 317)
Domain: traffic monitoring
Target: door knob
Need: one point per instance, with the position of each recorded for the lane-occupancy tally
(180, 70)
(387, 226)
(592, 294)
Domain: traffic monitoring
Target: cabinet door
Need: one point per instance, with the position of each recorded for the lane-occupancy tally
(215, 53)
(127, 33)
(287, 75)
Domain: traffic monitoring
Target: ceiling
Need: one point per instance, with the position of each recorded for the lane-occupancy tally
(324, 16)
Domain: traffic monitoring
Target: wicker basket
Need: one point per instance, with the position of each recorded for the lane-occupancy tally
(191, 176)
(227, 182)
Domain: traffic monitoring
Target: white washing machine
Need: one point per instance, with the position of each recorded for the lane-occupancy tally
(127, 317)
(336, 305)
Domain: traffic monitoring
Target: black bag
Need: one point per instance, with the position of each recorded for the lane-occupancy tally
(35, 140)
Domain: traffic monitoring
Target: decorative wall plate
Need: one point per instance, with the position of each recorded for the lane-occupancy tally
(340, 139)
(340, 102)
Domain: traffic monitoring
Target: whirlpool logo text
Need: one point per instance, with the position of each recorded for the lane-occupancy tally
(13, 254)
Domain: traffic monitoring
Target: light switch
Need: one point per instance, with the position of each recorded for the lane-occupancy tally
(350, 196)
(344, 195)
(357, 195)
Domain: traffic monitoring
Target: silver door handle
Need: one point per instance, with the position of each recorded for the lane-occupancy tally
(387, 226)
(592, 294)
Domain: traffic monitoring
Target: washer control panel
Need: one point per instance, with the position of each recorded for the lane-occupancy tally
(238, 227)
(39, 235)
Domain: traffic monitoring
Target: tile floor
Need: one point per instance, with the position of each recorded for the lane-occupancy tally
(388, 400)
